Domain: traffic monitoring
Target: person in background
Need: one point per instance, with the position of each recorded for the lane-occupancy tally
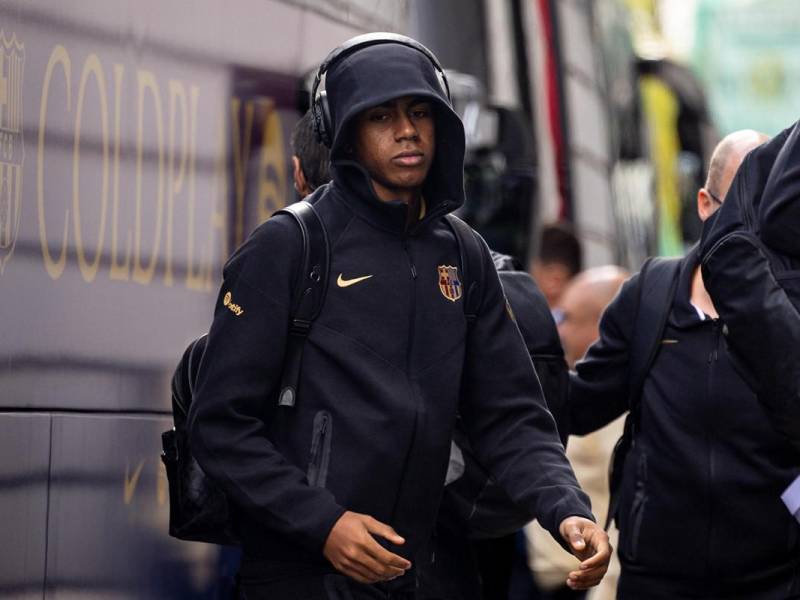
(310, 159)
(559, 259)
(698, 505)
(578, 316)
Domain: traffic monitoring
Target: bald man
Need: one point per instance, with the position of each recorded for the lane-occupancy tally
(579, 309)
(699, 510)
(578, 316)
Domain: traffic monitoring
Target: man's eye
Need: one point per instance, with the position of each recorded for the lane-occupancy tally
(420, 113)
(378, 117)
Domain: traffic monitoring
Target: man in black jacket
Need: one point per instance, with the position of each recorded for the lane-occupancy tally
(699, 509)
(751, 262)
(354, 471)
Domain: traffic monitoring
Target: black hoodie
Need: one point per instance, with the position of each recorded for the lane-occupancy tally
(387, 365)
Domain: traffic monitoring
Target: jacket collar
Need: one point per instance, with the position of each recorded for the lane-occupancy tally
(683, 314)
(352, 184)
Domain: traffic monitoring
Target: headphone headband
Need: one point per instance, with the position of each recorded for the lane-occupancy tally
(319, 101)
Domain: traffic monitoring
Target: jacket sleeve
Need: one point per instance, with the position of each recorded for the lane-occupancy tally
(779, 212)
(599, 387)
(240, 373)
(507, 420)
(762, 325)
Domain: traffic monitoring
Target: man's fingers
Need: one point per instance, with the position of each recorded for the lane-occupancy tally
(599, 559)
(575, 537)
(383, 530)
(585, 578)
(598, 543)
(386, 558)
(587, 574)
(380, 553)
(369, 558)
(358, 572)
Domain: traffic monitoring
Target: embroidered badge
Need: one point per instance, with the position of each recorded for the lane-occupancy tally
(449, 283)
(227, 301)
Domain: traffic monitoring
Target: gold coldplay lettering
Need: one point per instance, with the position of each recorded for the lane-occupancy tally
(152, 206)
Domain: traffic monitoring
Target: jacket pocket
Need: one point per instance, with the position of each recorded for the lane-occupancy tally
(636, 515)
(320, 449)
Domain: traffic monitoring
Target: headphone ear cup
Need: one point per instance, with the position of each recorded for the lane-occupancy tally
(316, 116)
(442, 78)
(322, 119)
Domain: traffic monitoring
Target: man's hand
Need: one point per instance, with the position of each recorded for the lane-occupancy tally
(589, 542)
(351, 548)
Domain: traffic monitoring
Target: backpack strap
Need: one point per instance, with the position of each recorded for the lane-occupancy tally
(472, 261)
(658, 282)
(309, 294)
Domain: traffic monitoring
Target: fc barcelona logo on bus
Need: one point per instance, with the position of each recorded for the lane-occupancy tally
(12, 153)
(449, 283)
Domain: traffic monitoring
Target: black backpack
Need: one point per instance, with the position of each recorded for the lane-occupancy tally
(198, 508)
(658, 282)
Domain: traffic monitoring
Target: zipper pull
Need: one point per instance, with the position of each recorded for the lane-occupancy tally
(714, 354)
(410, 262)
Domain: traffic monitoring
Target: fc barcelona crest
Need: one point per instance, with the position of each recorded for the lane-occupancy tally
(449, 283)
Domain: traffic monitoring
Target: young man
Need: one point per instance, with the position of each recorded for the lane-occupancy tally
(699, 511)
(347, 481)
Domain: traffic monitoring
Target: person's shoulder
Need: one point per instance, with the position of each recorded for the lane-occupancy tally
(279, 232)
(272, 250)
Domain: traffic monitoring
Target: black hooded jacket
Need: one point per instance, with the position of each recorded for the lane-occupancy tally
(387, 364)
(751, 266)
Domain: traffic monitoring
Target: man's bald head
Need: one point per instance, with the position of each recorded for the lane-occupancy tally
(725, 161)
(581, 306)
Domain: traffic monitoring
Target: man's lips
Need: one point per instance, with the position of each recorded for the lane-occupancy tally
(409, 159)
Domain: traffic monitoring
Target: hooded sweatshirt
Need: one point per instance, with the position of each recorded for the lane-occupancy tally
(388, 363)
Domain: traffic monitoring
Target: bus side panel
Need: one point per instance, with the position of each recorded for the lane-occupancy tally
(23, 503)
(107, 478)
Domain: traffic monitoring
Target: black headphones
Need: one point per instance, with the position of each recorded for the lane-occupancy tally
(320, 110)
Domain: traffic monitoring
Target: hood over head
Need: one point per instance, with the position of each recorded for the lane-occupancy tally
(376, 74)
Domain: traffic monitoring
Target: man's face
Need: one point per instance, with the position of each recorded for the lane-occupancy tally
(395, 143)
(577, 326)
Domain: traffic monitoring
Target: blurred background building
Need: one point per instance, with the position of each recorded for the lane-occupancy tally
(142, 140)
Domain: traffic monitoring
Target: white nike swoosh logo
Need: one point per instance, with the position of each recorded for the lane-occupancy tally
(343, 283)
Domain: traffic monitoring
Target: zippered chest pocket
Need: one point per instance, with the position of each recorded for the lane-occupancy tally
(320, 454)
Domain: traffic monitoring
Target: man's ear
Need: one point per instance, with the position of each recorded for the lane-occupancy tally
(300, 182)
(705, 204)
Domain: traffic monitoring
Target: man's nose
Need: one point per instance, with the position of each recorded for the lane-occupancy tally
(406, 129)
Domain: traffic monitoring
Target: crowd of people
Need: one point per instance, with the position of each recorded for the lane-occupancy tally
(446, 401)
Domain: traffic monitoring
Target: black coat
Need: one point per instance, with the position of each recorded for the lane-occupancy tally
(699, 509)
(751, 265)
(388, 362)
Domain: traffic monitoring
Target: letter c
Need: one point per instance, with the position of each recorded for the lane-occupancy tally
(59, 56)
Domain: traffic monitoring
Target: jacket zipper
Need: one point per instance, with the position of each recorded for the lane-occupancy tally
(713, 356)
(320, 451)
(412, 395)
(413, 304)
